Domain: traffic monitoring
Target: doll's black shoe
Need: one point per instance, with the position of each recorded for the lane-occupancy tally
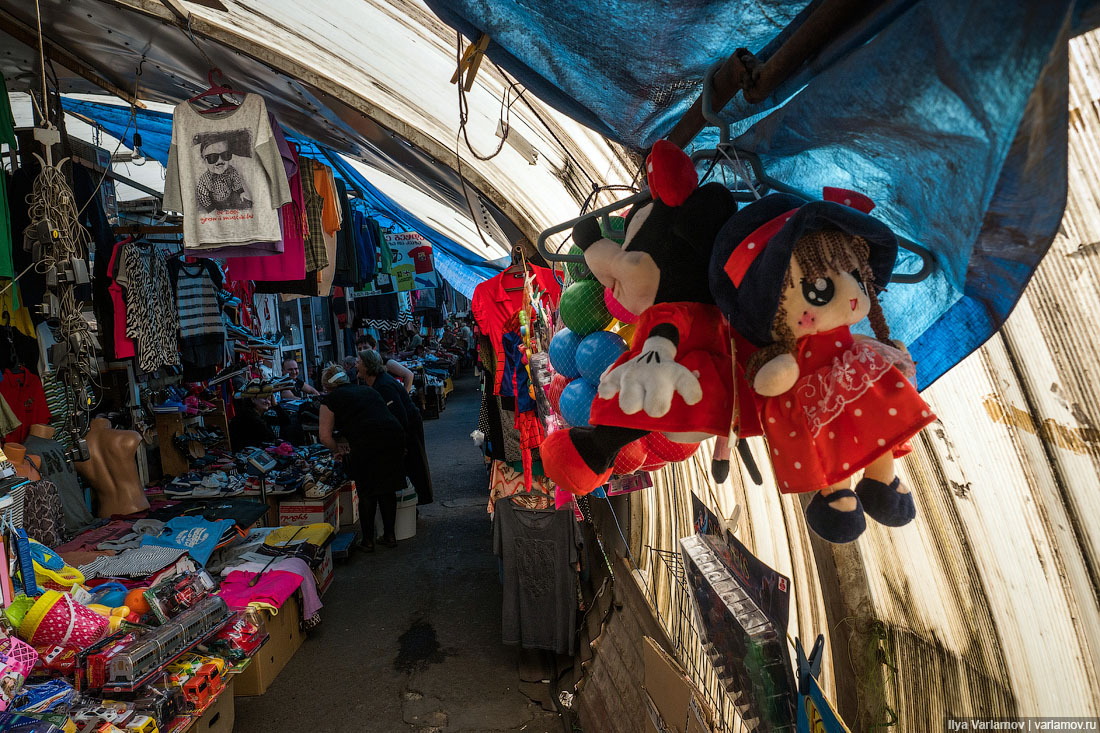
(832, 524)
(720, 470)
(884, 503)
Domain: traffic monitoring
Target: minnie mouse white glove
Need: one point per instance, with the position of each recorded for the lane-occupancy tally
(649, 380)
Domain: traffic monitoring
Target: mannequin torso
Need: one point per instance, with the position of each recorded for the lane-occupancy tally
(112, 469)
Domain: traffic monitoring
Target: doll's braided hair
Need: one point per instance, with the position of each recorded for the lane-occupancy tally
(817, 253)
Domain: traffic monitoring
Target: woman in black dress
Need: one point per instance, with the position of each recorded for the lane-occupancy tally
(374, 372)
(372, 443)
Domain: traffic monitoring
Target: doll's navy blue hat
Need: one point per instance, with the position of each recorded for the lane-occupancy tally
(753, 251)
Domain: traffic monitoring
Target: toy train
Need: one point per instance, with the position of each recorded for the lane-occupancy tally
(130, 662)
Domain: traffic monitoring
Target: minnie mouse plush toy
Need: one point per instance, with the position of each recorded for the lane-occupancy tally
(792, 277)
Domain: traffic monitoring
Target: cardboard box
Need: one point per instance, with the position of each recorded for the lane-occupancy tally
(349, 504)
(675, 704)
(219, 717)
(286, 636)
(310, 511)
(324, 572)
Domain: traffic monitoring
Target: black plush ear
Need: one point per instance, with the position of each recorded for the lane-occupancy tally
(700, 218)
(586, 232)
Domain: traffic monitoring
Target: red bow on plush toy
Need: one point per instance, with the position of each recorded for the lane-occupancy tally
(676, 380)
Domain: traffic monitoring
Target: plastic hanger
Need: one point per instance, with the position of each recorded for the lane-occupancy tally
(519, 265)
(219, 90)
(533, 491)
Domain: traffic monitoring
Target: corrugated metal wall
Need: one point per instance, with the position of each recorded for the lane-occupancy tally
(988, 603)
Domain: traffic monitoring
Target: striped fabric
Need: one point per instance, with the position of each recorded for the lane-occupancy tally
(59, 408)
(197, 298)
(404, 318)
(134, 563)
(202, 334)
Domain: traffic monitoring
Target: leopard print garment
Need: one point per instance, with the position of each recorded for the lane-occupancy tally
(43, 518)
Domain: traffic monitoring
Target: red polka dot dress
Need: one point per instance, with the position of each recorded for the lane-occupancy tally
(850, 405)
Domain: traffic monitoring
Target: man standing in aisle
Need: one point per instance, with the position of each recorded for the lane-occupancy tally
(467, 335)
(300, 388)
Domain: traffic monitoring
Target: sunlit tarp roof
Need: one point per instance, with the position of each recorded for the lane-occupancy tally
(951, 116)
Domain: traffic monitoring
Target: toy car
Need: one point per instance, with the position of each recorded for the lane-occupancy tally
(142, 724)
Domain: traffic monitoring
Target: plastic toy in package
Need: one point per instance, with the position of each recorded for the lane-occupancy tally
(747, 651)
(175, 595)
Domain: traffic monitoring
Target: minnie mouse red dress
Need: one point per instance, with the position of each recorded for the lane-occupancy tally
(835, 420)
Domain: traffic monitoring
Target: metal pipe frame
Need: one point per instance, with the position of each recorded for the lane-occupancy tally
(743, 72)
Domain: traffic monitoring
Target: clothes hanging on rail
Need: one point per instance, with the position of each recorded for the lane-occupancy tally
(23, 392)
(202, 333)
(151, 316)
(112, 314)
(507, 397)
(7, 135)
(226, 175)
(347, 261)
(497, 302)
(540, 551)
(291, 263)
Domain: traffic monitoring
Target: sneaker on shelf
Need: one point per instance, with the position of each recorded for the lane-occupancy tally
(281, 490)
(318, 491)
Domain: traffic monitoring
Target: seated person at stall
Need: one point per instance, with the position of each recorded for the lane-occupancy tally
(401, 373)
(249, 427)
(300, 388)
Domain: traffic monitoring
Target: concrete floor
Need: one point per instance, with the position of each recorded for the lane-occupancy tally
(410, 637)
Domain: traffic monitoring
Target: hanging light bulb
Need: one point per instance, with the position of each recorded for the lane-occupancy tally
(138, 157)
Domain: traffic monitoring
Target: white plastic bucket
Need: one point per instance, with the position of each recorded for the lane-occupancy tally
(405, 526)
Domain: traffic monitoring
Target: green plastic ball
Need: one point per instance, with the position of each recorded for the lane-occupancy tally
(578, 270)
(582, 308)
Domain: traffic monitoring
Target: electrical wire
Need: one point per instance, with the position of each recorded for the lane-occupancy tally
(464, 111)
(52, 207)
(458, 145)
(558, 140)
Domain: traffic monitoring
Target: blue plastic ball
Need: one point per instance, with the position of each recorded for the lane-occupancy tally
(576, 403)
(596, 352)
(563, 353)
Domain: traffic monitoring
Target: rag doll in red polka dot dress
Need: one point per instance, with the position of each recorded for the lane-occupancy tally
(793, 277)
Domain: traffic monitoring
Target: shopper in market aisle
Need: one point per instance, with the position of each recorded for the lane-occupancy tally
(356, 425)
(398, 370)
(372, 372)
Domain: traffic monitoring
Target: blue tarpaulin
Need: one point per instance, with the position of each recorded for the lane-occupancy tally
(460, 267)
(951, 116)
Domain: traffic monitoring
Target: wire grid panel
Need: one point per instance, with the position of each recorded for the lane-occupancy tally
(670, 585)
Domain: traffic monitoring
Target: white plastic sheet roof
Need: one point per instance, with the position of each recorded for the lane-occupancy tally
(369, 78)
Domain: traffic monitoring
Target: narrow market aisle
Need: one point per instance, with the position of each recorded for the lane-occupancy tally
(410, 637)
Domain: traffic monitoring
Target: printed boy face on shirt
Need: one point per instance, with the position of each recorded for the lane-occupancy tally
(217, 156)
